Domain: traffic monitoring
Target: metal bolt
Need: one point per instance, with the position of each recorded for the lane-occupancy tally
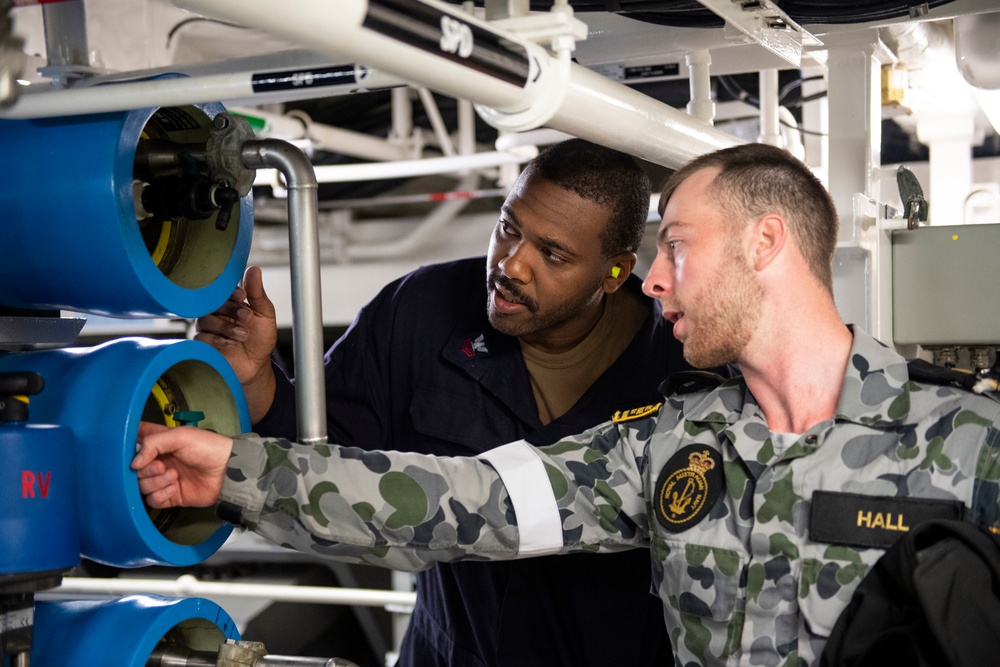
(979, 358)
(946, 356)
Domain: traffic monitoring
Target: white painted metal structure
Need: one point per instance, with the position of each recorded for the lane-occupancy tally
(583, 98)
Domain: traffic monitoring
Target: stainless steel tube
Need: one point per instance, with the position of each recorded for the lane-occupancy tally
(175, 655)
(295, 661)
(307, 305)
(179, 656)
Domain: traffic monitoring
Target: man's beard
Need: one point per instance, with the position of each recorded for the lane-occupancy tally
(532, 322)
(726, 314)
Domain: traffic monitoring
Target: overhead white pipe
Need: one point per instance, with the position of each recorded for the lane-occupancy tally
(297, 124)
(976, 53)
(508, 141)
(793, 136)
(770, 123)
(466, 128)
(619, 117)
(236, 87)
(189, 586)
(355, 28)
(372, 171)
(417, 198)
(437, 122)
(402, 113)
(516, 84)
(699, 64)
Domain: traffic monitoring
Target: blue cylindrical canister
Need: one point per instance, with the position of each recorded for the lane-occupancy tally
(123, 632)
(101, 394)
(38, 518)
(72, 237)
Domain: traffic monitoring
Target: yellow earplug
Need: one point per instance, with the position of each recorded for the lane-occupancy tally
(615, 271)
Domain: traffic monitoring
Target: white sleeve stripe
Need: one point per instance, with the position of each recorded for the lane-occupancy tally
(523, 473)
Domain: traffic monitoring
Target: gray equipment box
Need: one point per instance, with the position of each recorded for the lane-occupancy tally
(943, 285)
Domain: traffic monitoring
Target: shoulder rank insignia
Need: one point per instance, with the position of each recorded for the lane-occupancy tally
(685, 382)
(688, 487)
(635, 413)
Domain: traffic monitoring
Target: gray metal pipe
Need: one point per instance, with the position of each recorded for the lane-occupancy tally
(67, 52)
(174, 655)
(295, 661)
(307, 304)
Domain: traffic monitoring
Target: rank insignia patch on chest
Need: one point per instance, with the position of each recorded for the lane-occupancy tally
(635, 413)
(688, 487)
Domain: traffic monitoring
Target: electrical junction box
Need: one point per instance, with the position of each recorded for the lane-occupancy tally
(944, 285)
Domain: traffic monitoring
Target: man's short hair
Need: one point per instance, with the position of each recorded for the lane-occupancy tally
(606, 177)
(756, 179)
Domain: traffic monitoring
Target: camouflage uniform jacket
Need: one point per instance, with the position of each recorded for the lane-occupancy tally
(751, 567)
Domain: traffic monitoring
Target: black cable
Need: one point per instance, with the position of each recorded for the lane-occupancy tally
(812, 133)
(181, 24)
(808, 98)
(692, 14)
(737, 91)
(792, 85)
(781, 122)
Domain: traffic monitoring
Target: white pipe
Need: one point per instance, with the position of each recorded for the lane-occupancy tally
(373, 171)
(418, 198)
(567, 97)
(466, 128)
(619, 117)
(770, 126)
(402, 113)
(339, 140)
(793, 135)
(121, 95)
(701, 105)
(441, 215)
(189, 586)
(949, 139)
(297, 124)
(508, 141)
(437, 123)
(312, 24)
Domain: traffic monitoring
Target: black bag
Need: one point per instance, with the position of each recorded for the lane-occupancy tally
(933, 599)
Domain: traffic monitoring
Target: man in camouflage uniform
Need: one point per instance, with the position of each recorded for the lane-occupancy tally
(763, 499)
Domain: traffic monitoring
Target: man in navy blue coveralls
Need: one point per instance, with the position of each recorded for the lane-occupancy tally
(452, 354)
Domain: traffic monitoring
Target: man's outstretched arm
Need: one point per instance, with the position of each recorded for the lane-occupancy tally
(403, 510)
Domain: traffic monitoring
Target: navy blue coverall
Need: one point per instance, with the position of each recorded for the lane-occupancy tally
(421, 369)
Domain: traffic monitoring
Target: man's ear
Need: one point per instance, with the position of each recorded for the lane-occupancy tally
(769, 236)
(619, 271)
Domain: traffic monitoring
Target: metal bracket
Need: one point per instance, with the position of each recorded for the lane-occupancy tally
(557, 27)
(871, 213)
(224, 152)
(763, 22)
